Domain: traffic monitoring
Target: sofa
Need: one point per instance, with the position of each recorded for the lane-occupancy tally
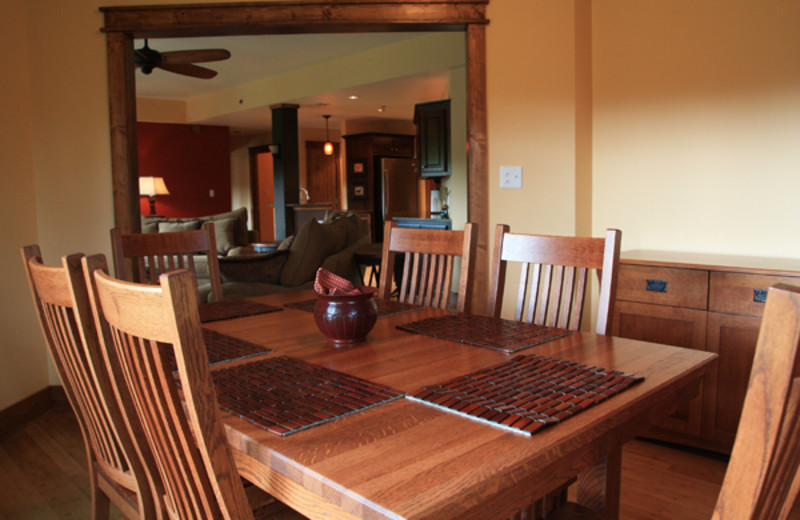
(291, 267)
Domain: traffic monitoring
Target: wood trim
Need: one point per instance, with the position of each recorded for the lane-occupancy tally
(122, 122)
(293, 17)
(478, 162)
(21, 413)
(123, 24)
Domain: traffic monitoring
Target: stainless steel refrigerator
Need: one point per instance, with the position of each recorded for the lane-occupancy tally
(399, 189)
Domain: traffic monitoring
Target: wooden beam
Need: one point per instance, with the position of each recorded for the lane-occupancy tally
(288, 17)
(478, 162)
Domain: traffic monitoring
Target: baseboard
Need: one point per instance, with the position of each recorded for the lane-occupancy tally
(19, 414)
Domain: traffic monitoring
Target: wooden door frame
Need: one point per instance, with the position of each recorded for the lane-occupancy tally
(122, 24)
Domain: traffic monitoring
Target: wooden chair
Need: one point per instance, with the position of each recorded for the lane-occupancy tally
(428, 257)
(191, 456)
(763, 476)
(554, 276)
(62, 303)
(157, 253)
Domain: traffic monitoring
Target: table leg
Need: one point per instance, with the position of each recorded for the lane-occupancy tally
(599, 485)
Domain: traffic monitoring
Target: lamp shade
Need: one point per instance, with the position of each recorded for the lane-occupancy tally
(152, 186)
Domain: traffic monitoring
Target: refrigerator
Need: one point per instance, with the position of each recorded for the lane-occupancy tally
(399, 192)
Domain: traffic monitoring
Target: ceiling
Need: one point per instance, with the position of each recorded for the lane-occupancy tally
(256, 57)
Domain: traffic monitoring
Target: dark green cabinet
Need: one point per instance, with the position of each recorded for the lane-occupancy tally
(433, 138)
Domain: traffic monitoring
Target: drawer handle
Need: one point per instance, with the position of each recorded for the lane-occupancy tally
(759, 295)
(656, 285)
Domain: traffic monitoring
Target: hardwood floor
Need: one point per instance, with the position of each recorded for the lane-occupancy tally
(43, 476)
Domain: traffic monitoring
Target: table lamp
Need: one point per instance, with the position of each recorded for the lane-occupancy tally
(152, 186)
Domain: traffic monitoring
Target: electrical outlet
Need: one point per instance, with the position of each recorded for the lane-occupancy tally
(211, 193)
(511, 176)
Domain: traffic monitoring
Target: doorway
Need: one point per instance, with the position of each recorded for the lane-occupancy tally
(124, 23)
(322, 174)
(262, 193)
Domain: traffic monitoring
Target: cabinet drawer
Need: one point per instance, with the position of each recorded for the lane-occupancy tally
(738, 293)
(663, 286)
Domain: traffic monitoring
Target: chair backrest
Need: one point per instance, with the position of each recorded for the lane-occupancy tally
(138, 323)
(554, 276)
(762, 481)
(428, 257)
(156, 253)
(62, 305)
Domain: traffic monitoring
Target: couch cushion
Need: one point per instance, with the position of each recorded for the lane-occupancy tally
(265, 268)
(240, 229)
(224, 231)
(171, 225)
(313, 243)
(349, 220)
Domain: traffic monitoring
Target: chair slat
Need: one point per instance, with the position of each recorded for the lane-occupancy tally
(190, 451)
(428, 265)
(156, 253)
(555, 284)
(62, 303)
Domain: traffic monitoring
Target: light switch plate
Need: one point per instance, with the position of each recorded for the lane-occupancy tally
(511, 176)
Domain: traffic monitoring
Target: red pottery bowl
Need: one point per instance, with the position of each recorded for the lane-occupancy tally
(346, 319)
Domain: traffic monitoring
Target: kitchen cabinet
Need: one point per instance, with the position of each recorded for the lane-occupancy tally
(363, 154)
(703, 302)
(433, 138)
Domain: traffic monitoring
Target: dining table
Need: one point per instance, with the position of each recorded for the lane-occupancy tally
(400, 456)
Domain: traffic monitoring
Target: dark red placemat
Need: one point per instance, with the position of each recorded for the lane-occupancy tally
(221, 348)
(285, 395)
(226, 310)
(483, 331)
(527, 393)
(385, 307)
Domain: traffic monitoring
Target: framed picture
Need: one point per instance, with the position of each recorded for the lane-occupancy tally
(358, 168)
(359, 190)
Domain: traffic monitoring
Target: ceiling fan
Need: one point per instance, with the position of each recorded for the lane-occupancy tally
(179, 62)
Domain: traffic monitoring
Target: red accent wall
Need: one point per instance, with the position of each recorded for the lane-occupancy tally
(193, 159)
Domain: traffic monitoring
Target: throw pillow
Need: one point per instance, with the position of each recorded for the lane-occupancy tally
(264, 268)
(286, 243)
(313, 243)
(168, 226)
(240, 230)
(224, 230)
(150, 224)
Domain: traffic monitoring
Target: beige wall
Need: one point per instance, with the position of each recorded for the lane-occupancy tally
(23, 365)
(697, 124)
(695, 132)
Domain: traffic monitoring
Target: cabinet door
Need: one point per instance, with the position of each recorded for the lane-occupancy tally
(433, 134)
(670, 326)
(734, 339)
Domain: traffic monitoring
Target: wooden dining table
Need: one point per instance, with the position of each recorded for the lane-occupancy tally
(408, 459)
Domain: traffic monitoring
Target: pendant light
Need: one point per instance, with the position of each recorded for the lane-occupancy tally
(328, 148)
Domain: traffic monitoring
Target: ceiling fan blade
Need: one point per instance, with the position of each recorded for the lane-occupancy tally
(195, 56)
(187, 69)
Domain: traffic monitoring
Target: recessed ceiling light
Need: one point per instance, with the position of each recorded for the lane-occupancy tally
(353, 97)
(382, 108)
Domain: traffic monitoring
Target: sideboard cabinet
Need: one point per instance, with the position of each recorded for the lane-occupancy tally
(703, 302)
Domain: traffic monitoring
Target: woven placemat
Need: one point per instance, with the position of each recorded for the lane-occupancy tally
(221, 348)
(484, 331)
(226, 310)
(285, 395)
(527, 393)
(385, 307)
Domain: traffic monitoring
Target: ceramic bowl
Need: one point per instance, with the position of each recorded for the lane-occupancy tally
(346, 319)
